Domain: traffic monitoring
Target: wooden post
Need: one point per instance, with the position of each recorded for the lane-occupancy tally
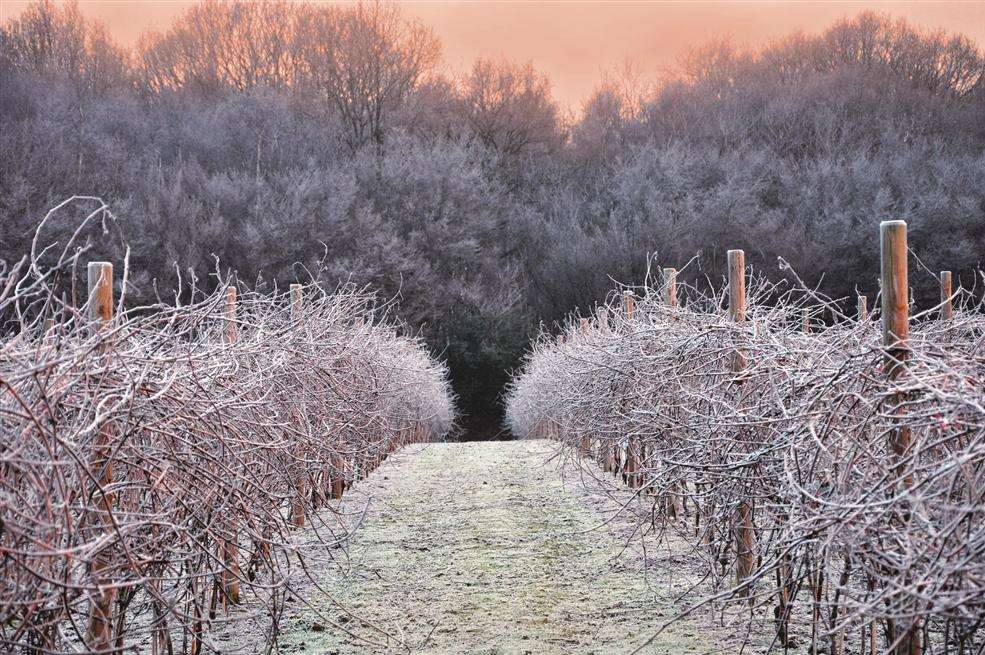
(670, 287)
(863, 309)
(947, 306)
(737, 299)
(301, 490)
(737, 285)
(586, 440)
(745, 535)
(629, 302)
(606, 451)
(606, 457)
(618, 461)
(230, 547)
(337, 473)
(602, 316)
(296, 291)
(631, 467)
(895, 295)
(100, 633)
(356, 458)
(671, 504)
(895, 336)
(100, 278)
(232, 329)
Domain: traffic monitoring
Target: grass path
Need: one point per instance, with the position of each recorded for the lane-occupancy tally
(484, 548)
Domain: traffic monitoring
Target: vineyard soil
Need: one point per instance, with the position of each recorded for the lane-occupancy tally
(489, 548)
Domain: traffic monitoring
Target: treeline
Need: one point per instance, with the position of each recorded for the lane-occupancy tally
(288, 139)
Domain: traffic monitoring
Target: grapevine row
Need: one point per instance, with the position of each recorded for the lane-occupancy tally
(157, 463)
(830, 475)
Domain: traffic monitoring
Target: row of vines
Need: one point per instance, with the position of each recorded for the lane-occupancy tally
(827, 474)
(156, 463)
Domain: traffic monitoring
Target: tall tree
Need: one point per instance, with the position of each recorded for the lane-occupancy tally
(511, 108)
(365, 61)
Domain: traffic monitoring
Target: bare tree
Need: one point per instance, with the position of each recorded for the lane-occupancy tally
(510, 107)
(56, 41)
(365, 61)
(216, 46)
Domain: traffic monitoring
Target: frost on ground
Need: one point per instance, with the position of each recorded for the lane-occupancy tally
(486, 548)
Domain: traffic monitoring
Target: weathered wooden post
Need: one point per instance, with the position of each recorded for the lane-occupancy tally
(895, 340)
(745, 544)
(336, 483)
(737, 285)
(947, 305)
(100, 633)
(606, 454)
(670, 287)
(586, 440)
(298, 504)
(629, 465)
(673, 505)
(231, 326)
(602, 316)
(337, 475)
(737, 300)
(554, 427)
(357, 458)
(629, 303)
(863, 309)
(230, 547)
(895, 316)
(630, 472)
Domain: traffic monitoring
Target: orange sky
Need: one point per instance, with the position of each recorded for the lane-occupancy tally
(575, 42)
